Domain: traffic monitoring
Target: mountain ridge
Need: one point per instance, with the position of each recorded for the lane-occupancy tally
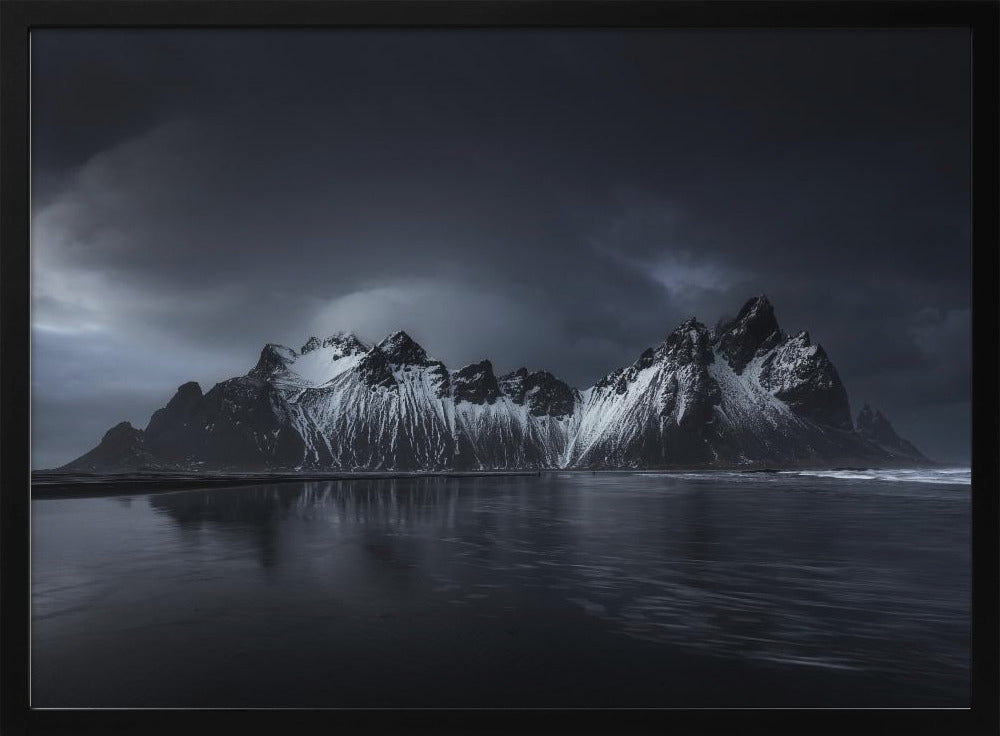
(741, 394)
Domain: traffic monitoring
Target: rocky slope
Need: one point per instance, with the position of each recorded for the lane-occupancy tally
(874, 427)
(742, 394)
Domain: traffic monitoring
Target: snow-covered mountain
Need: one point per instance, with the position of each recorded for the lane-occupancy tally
(741, 394)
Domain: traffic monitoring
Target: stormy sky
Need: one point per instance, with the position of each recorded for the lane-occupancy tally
(554, 199)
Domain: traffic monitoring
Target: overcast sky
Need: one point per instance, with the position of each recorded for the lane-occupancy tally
(554, 199)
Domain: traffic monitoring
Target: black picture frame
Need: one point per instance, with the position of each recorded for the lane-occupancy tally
(19, 17)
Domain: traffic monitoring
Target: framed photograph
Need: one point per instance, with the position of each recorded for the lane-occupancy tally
(511, 366)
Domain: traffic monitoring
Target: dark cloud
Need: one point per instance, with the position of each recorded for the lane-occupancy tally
(556, 199)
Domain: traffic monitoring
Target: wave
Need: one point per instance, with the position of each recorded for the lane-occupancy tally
(945, 476)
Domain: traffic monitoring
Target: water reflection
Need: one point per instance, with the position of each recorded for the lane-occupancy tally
(379, 508)
(699, 551)
(785, 569)
(254, 513)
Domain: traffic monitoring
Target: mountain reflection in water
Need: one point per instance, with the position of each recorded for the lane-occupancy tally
(720, 589)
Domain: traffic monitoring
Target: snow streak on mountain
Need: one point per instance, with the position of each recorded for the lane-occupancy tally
(741, 394)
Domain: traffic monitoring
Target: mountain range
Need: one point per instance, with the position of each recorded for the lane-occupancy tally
(741, 394)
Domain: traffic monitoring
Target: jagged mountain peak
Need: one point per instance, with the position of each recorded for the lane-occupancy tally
(273, 358)
(122, 448)
(318, 362)
(753, 332)
(802, 375)
(689, 343)
(758, 304)
(476, 383)
(191, 388)
(544, 393)
(484, 366)
(187, 396)
(871, 420)
(875, 427)
(282, 351)
(692, 328)
(346, 343)
(401, 349)
(805, 346)
(755, 309)
(522, 374)
(691, 323)
(397, 337)
(867, 415)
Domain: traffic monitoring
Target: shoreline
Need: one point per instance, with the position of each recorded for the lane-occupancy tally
(79, 485)
(59, 485)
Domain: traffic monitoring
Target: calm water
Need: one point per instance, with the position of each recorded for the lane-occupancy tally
(616, 589)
